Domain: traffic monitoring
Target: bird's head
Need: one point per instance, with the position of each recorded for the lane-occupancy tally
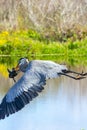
(22, 64)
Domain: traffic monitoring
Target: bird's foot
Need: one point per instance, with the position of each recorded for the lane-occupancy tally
(80, 77)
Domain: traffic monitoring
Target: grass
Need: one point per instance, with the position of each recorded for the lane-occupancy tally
(29, 43)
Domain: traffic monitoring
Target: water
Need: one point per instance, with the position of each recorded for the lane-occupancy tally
(61, 106)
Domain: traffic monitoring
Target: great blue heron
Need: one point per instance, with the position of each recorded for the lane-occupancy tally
(36, 73)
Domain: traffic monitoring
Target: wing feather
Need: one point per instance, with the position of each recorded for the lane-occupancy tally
(22, 93)
(28, 86)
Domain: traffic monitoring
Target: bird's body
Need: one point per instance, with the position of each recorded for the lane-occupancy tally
(36, 72)
(32, 82)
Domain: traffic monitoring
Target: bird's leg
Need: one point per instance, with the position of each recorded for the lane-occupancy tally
(84, 74)
(74, 72)
(76, 78)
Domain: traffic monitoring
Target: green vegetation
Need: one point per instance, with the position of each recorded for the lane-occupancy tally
(29, 43)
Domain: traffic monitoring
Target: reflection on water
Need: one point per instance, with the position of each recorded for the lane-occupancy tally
(61, 106)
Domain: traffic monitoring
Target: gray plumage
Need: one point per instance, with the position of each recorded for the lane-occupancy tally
(36, 73)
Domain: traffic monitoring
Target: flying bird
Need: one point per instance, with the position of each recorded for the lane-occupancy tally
(36, 72)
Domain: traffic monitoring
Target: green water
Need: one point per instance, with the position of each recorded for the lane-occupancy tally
(68, 60)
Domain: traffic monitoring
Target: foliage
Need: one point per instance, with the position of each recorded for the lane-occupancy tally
(31, 44)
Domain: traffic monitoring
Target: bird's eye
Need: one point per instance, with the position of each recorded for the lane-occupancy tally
(21, 60)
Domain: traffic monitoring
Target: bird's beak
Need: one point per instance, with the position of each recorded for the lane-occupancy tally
(16, 68)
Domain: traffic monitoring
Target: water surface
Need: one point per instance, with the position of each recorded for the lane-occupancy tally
(61, 106)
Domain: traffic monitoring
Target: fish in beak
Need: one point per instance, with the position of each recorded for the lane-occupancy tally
(13, 72)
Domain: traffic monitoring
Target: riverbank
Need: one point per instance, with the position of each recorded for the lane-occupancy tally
(28, 43)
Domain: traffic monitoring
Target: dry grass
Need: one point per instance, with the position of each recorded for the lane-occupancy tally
(44, 15)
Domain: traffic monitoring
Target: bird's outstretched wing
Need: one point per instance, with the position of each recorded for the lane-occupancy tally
(22, 93)
(28, 86)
